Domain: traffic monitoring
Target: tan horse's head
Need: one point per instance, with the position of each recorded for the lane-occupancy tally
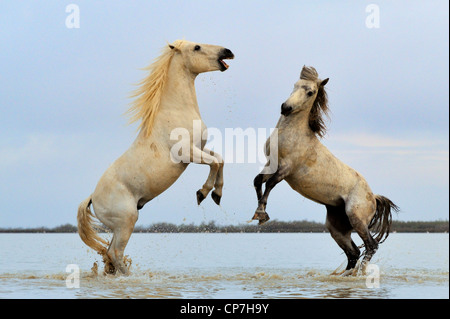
(309, 95)
(199, 58)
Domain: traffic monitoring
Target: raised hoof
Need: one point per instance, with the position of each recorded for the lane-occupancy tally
(216, 198)
(200, 197)
(262, 217)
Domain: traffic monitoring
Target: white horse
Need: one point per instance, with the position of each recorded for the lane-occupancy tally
(314, 172)
(165, 101)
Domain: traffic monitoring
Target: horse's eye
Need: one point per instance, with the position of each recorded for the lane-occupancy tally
(197, 47)
(310, 93)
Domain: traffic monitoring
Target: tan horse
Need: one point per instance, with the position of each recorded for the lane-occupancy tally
(165, 101)
(314, 172)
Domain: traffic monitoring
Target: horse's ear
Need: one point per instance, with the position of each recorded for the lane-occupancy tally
(174, 48)
(301, 72)
(324, 82)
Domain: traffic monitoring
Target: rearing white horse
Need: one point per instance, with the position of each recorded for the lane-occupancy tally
(166, 100)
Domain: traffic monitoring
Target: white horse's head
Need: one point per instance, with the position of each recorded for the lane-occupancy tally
(309, 95)
(199, 58)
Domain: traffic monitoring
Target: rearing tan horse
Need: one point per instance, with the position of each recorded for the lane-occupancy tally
(165, 101)
(314, 172)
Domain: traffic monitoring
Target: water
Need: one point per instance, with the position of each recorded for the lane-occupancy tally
(238, 266)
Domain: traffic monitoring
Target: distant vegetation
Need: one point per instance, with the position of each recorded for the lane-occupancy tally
(270, 227)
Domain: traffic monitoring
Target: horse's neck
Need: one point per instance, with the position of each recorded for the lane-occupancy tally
(297, 122)
(294, 131)
(179, 94)
(179, 107)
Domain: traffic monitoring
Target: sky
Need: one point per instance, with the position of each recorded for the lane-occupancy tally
(64, 89)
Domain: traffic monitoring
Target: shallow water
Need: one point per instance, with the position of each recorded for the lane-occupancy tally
(226, 266)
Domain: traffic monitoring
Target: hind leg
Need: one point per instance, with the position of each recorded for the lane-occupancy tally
(340, 229)
(359, 217)
(120, 239)
(121, 219)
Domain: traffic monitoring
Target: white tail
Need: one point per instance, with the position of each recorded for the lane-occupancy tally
(86, 229)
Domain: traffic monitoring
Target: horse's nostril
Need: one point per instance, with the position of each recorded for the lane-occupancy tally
(285, 109)
(228, 53)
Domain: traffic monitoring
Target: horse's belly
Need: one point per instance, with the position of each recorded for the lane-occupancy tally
(319, 192)
(157, 183)
(154, 179)
(137, 179)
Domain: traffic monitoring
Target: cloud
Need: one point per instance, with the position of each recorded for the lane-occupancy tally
(40, 149)
(39, 152)
(377, 141)
(77, 80)
(418, 158)
(36, 148)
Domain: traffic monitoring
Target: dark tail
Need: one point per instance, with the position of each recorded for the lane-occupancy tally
(381, 222)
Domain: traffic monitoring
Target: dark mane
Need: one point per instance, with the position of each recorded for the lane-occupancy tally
(320, 106)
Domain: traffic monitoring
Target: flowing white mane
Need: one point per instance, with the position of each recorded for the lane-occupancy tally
(147, 101)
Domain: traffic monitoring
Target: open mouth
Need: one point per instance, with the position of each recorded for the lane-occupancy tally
(228, 55)
(223, 64)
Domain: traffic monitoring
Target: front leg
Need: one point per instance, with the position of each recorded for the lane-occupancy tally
(260, 179)
(200, 157)
(218, 184)
(261, 214)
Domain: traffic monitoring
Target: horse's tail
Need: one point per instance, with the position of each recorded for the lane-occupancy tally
(382, 220)
(86, 228)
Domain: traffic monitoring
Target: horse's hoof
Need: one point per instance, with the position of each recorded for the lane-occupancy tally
(263, 221)
(337, 273)
(200, 197)
(348, 272)
(261, 216)
(216, 198)
(109, 269)
(123, 271)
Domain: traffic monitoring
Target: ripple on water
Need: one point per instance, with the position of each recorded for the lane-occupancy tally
(228, 283)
